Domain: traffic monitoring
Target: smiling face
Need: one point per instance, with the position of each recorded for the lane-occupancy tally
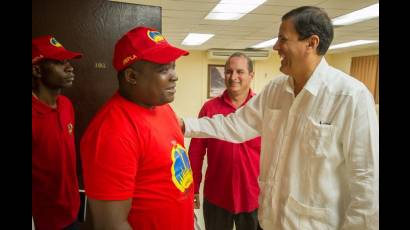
(154, 83)
(55, 74)
(292, 51)
(237, 76)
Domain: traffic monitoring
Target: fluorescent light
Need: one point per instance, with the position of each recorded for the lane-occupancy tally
(224, 16)
(265, 43)
(194, 39)
(357, 16)
(233, 9)
(352, 43)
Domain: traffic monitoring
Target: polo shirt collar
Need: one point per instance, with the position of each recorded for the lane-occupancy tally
(225, 98)
(42, 107)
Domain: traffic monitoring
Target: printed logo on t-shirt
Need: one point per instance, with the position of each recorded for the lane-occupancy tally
(181, 168)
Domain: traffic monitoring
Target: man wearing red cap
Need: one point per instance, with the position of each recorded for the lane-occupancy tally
(137, 173)
(55, 195)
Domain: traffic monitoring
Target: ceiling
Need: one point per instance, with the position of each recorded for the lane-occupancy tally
(180, 17)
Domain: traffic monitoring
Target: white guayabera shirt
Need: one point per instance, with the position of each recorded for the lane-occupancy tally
(320, 150)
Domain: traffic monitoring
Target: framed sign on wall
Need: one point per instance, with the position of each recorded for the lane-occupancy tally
(216, 80)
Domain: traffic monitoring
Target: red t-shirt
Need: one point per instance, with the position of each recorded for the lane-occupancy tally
(129, 151)
(54, 188)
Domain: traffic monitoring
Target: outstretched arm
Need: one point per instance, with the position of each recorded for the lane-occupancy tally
(243, 125)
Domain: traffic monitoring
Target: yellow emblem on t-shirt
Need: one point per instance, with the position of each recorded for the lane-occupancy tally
(181, 168)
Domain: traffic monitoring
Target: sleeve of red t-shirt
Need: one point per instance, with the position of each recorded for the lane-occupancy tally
(112, 168)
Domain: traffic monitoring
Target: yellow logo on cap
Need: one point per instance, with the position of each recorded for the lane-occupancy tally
(128, 59)
(55, 43)
(155, 36)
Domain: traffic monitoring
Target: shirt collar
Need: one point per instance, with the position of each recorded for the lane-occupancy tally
(290, 85)
(43, 108)
(313, 84)
(225, 98)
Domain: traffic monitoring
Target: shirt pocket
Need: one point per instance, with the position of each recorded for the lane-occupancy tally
(317, 138)
(302, 216)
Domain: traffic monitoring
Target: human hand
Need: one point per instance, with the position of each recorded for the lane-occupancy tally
(197, 202)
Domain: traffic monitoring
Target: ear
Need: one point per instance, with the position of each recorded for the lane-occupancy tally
(313, 42)
(252, 74)
(36, 70)
(130, 76)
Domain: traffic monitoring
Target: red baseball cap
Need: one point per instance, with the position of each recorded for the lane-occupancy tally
(142, 43)
(48, 47)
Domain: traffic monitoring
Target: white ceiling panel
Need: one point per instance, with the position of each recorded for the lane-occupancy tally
(350, 5)
(292, 3)
(180, 17)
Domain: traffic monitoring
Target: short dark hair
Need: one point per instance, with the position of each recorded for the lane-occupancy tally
(310, 20)
(239, 54)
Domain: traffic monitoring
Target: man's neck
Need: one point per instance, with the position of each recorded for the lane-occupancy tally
(126, 94)
(48, 96)
(301, 78)
(238, 98)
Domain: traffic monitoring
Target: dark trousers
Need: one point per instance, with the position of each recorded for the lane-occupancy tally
(74, 226)
(217, 218)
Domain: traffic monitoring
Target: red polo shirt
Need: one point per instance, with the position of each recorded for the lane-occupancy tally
(54, 188)
(129, 151)
(231, 180)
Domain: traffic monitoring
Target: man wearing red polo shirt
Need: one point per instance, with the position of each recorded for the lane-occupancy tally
(231, 182)
(137, 173)
(54, 192)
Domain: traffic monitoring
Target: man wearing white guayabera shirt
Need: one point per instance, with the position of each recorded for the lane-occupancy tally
(319, 129)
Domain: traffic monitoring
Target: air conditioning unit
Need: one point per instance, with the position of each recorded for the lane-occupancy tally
(225, 53)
